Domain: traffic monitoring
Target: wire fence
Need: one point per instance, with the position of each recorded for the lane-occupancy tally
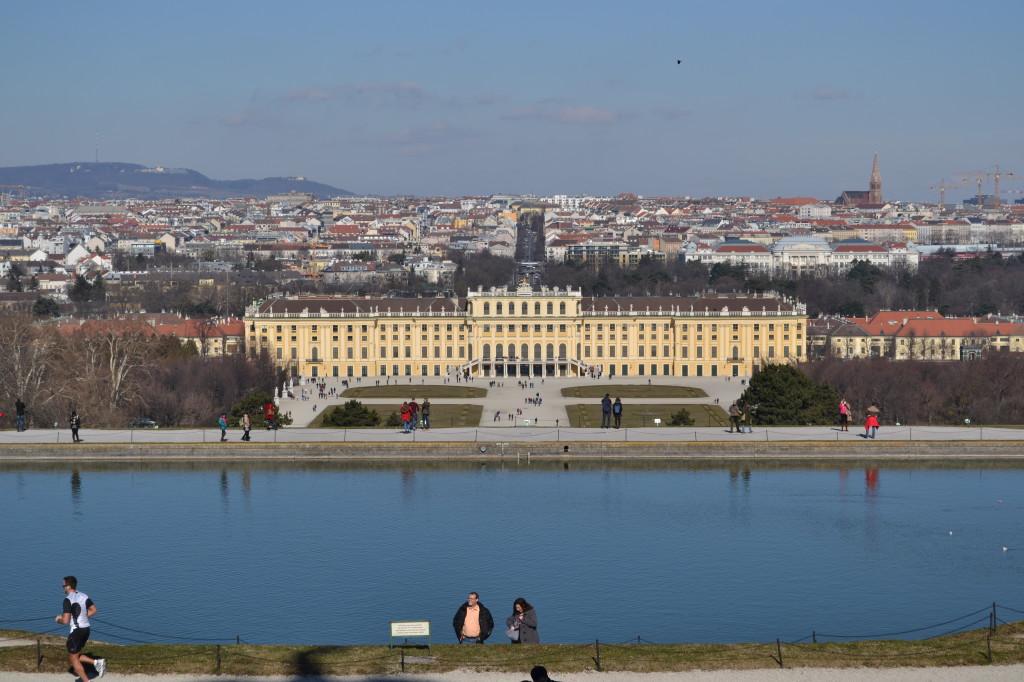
(976, 637)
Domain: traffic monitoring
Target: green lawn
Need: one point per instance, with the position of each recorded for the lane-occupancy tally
(406, 391)
(597, 390)
(441, 416)
(640, 415)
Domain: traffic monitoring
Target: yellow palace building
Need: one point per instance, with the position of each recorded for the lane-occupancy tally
(525, 332)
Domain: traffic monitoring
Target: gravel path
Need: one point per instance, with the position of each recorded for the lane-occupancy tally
(997, 673)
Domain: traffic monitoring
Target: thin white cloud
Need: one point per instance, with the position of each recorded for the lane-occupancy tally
(430, 139)
(571, 115)
(826, 92)
(249, 119)
(671, 113)
(404, 93)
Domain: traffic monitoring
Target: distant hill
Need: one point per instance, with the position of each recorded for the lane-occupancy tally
(130, 180)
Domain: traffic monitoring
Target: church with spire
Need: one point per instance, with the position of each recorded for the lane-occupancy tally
(871, 198)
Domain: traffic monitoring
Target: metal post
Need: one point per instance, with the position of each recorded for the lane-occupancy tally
(218, 658)
(39, 653)
(814, 636)
(597, 649)
(778, 647)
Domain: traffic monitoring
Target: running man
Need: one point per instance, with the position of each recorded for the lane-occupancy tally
(77, 610)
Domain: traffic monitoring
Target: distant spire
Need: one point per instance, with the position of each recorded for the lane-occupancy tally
(875, 184)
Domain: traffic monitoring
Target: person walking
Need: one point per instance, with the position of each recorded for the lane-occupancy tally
(246, 426)
(268, 415)
(473, 623)
(222, 422)
(524, 622)
(617, 411)
(606, 411)
(19, 414)
(75, 422)
(844, 415)
(425, 414)
(734, 417)
(747, 419)
(76, 611)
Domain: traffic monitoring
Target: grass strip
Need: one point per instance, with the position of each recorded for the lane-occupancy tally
(969, 648)
(632, 391)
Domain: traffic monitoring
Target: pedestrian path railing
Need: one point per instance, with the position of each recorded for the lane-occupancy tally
(979, 637)
(535, 433)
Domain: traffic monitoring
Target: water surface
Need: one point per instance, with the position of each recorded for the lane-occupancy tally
(328, 553)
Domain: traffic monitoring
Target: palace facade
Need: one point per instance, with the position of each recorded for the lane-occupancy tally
(527, 333)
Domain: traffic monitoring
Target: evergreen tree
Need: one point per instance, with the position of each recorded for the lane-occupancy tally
(351, 414)
(782, 395)
(45, 307)
(681, 418)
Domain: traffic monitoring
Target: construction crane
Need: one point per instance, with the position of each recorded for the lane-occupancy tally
(979, 176)
(20, 188)
(942, 187)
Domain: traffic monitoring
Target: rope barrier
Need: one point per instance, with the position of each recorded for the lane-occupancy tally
(210, 640)
(1007, 608)
(876, 656)
(625, 653)
(30, 620)
(962, 628)
(906, 632)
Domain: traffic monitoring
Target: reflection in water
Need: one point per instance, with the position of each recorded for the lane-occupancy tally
(871, 481)
(246, 482)
(76, 487)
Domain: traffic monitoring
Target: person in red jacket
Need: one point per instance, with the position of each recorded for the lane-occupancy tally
(268, 415)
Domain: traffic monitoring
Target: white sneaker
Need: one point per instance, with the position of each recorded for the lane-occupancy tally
(101, 666)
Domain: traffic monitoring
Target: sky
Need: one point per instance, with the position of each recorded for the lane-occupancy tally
(436, 97)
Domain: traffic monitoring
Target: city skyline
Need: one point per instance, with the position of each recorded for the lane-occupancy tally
(452, 99)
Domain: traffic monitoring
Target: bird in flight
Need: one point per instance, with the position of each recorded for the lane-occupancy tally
(679, 61)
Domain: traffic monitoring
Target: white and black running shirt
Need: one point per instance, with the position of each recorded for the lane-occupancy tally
(77, 604)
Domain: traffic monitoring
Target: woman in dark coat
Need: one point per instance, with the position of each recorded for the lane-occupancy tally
(524, 618)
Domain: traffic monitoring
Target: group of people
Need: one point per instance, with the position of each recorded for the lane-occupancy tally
(740, 418)
(473, 622)
(415, 416)
(610, 410)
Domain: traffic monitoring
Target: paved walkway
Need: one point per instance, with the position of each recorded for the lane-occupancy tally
(507, 396)
(548, 422)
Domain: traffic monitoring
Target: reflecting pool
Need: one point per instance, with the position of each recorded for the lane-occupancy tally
(328, 553)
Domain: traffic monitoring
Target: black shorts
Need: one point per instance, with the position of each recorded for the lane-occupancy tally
(844, 419)
(77, 640)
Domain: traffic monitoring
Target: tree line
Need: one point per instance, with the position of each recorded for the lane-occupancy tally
(110, 372)
(921, 392)
(976, 286)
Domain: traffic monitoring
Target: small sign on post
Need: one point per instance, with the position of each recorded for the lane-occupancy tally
(410, 628)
